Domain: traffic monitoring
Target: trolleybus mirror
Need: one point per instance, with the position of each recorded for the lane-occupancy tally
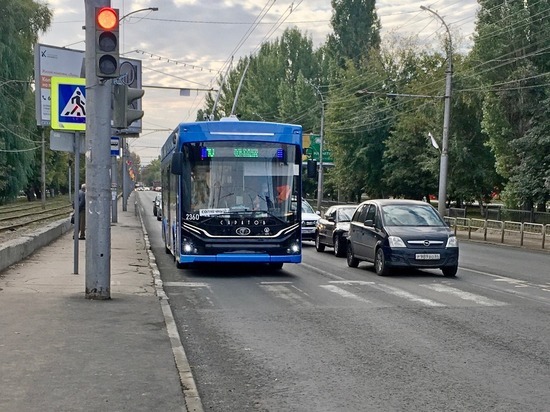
(177, 164)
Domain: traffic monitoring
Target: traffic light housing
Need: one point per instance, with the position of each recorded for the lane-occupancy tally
(124, 99)
(312, 169)
(106, 43)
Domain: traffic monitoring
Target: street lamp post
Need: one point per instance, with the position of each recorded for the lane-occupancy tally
(444, 159)
(321, 138)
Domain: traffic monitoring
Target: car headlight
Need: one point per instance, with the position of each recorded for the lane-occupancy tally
(452, 241)
(396, 241)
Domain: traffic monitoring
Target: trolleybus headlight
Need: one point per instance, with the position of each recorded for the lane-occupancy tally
(293, 249)
(188, 248)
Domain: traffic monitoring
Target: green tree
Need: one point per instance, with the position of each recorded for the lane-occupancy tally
(410, 163)
(472, 174)
(507, 53)
(151, 172)
(356, 130)
(21, 22)
(273, 84)
(356, 30)
(530, 177)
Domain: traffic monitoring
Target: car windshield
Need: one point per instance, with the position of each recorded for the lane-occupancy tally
(306, 207)
(345, 214)
(411, 215)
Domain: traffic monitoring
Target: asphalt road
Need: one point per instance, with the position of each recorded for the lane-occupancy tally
(320, 336)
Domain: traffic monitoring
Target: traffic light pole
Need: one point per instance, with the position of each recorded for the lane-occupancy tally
(98, 164)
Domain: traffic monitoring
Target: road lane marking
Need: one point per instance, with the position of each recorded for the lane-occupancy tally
(512, 281)
(322, 272)
(187, 284)
(344, 293)
(407, 295)
(276, 283)
(480, 300)
(284, 293)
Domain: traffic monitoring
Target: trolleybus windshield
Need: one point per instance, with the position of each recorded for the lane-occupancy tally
(229, 179)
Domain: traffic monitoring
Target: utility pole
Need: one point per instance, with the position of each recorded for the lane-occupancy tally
(98, 164)
(444, 159)
(321, 141)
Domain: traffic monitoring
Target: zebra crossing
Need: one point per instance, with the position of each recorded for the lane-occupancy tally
(369, 293)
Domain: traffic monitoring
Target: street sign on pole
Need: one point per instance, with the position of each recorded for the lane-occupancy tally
(52, 61)
(68, 106)
(115, 146)
(65, 141)
(314, 148)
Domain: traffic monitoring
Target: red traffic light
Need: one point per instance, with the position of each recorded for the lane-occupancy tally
(107, 18)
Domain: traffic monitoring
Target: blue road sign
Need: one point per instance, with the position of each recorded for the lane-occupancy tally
(68, 111)
(115, 146)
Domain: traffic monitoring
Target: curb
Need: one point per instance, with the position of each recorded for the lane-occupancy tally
(18, 249)
(189, 387)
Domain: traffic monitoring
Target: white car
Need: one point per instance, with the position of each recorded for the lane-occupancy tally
(309, 220)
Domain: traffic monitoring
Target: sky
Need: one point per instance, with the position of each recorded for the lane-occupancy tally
(188, 43)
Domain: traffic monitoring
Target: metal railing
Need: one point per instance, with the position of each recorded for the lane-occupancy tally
(501, 231)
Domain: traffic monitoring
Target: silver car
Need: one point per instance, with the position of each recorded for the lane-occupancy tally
(309, 220)
(333, 228)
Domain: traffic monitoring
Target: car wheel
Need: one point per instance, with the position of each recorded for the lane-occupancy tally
(339, 246)
(319, 247)
(276, 266)
(159, 217)
(353, 262)
(449, 271)
(380, 263)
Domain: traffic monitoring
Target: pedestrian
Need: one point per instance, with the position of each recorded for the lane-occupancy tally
(82, 212)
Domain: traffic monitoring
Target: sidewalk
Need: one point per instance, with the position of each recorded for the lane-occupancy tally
(62, 352)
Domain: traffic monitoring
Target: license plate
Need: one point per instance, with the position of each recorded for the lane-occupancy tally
(427, 256)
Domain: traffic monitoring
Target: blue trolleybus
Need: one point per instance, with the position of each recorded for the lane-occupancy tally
(230, 191)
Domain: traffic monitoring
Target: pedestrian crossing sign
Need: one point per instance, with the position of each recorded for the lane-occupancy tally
(68, 111)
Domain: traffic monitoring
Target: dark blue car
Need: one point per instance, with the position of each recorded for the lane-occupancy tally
(393, 233)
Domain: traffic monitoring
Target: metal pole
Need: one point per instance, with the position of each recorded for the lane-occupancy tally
(43, 170)
(321, 138)
(124, 174)
(239, 88)
(444, 159)
(70, 180)
(98, 164)
(75, 201)
(114, 189)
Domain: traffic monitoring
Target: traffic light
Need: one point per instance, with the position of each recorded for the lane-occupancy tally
(124, 99)
(106, 43)
(312, 169)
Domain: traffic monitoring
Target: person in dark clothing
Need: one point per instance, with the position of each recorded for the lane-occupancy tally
(82, 211)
